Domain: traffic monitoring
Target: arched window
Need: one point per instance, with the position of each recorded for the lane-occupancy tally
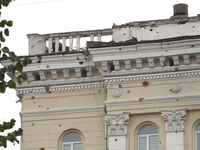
(72, 141)
(148, 138)
(198, 137)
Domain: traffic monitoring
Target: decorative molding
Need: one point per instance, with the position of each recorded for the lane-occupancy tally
(150, 70)
(127, 64)
(62, 111)
(66, 73)
(152, 100)
(151, 62)
(42, 75)
(174, 120)
(30, 76)
(139, 63)
(89, 71)
(151, 77)
(186, 59)
(162, 61)
(116, 92)
(104, 66)
(117, 123)
(175, 87)
(117, 65)
(176, 60)
(72, 81)
(54, 74)
(63, 88)
(78, 72)
(198, 58)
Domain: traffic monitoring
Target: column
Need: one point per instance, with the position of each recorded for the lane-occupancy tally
(63, 44)
(57, 45)
(91, 37)
(50, 45)
(70, 43)
(78, 43)
(117, 130)
(99, 37)
(174, 126)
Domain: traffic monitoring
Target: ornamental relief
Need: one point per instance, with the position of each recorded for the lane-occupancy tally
(116, 92)
(175, 87)
(117, 124)
(174, 119)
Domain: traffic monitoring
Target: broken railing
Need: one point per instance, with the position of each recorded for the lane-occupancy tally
(68, 41)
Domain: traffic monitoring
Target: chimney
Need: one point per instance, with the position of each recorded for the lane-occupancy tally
(180, 9)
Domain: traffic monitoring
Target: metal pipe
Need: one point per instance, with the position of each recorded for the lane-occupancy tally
(105, 111)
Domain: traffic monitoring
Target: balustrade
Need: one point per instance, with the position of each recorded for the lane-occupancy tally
(62, 42)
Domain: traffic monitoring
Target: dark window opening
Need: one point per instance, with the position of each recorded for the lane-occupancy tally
(112, 67)
(84, 73)
(171, 62)
(37, 76)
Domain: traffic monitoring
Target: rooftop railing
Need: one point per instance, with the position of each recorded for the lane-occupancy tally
(68, 41)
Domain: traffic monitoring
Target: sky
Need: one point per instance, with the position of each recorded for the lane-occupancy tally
(53, 16)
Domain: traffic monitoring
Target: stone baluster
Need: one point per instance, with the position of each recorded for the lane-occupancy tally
(117, 130)
(78, 43)
(162, 61)
(99, 37)
(176, 60)
(91, 37)
(117, 65)
(70, 43)
(56, 45)
(63, 44)
(50, 45)
(174, 126)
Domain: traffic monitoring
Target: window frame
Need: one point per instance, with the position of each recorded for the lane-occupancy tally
(147, 136)
(196, 132)
(71, 143)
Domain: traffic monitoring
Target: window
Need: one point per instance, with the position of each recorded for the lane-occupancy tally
(198, 137)
(72, 141)
(148, 138)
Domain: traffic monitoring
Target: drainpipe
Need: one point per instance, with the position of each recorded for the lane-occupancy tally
(105, 111)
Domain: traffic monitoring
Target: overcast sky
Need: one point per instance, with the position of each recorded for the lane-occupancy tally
(51, 16)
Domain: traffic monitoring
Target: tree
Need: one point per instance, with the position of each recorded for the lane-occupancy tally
(16, 65)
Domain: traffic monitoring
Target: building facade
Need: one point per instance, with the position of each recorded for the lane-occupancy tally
(139, 91)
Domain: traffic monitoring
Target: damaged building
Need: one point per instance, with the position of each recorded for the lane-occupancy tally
(136, 90)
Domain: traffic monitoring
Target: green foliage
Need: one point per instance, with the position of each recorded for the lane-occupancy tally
(12, 137)
(16, 65)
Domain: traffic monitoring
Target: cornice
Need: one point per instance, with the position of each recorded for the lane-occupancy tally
(62, 111)
(61, 82)
(61, 88)
(153, 77)
(152, 100)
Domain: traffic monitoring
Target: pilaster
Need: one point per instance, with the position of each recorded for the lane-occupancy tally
(174, 126)
(117, 130)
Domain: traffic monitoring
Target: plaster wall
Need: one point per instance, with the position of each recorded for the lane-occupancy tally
(45, 131)
(53, 101)
(147, 32)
